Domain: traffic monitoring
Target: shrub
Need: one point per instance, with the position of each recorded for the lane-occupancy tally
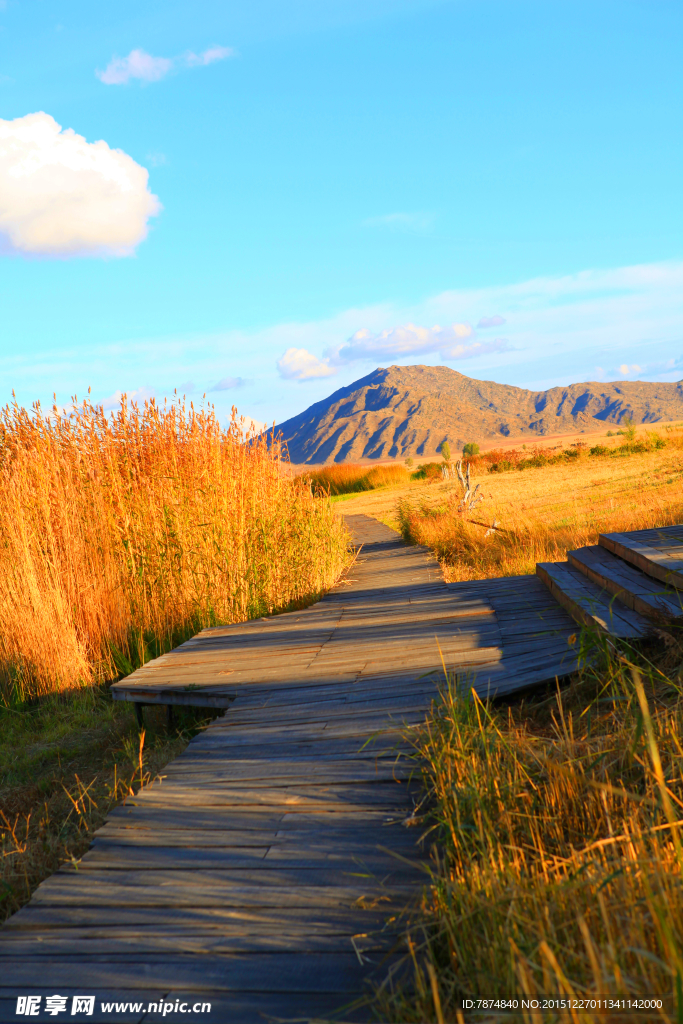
(598, 449)
(446, 451)
(629, 430)
(471, 448)
(427, 471)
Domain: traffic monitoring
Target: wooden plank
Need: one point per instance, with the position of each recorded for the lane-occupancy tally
(148, 941)
(353, 860)
(47, 921)
(631, 586)
(641, 554)
(221, 889)
(329, 798)
(293, 773)
(588, 604)
(222, 818)
(275, 972)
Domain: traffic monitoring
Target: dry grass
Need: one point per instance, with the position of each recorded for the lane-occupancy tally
(560, 867)
(350, 479)
(121, 535)
(64, 762)
(543, 512)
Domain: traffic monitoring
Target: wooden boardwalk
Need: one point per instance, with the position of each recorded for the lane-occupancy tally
(260, 873)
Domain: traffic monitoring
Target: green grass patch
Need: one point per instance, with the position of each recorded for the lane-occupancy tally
(65, 760)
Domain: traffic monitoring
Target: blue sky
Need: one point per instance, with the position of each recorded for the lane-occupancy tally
(339, 185)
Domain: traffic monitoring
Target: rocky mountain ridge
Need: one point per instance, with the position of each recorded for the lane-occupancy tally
(405, 411)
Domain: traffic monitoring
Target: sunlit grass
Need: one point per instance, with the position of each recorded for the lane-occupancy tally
(542, 512)
(560, 865)
(122, 535)
(350, 479)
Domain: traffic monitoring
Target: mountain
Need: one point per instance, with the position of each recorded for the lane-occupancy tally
(410, 410)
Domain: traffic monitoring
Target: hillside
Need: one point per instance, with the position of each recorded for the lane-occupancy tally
(410, 410)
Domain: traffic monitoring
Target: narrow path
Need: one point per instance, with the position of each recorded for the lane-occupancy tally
(260, 873)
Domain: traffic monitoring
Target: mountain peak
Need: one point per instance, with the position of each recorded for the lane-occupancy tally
(402, 411)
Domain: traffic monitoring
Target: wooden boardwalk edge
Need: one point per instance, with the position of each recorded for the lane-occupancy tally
(264, 870)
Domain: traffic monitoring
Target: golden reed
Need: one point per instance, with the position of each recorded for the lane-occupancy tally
(122, 534)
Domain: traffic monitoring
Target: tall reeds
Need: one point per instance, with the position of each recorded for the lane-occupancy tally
(122, 534)
(560, 865)
(351, 479)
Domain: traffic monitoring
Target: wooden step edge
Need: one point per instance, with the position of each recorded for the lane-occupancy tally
(602, 618)
(637, 554)
(649, 606)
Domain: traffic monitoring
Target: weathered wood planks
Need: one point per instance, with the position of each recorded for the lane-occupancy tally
(260, 871)
(659, 553)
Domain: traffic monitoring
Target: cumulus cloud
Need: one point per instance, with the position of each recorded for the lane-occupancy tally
(63, 196)
(300, 364)
(491, 321)
(455, 341)
(226, 383)
(399, 342)
(628, 370)
(146, 68)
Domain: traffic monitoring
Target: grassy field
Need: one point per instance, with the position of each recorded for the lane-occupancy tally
(119, 538)
(541, 511)
(557, 816)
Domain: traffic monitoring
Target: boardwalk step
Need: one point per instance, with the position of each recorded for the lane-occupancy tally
(630, 586)
(659, 553)
(590, 604)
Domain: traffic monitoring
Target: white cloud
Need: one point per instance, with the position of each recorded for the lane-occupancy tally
(399, 342)
(455, 341)
(63, 196)
(214, 53)
(146, 68)
(491, 321)
(300, 364)
(627, 370)
(137, 64)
